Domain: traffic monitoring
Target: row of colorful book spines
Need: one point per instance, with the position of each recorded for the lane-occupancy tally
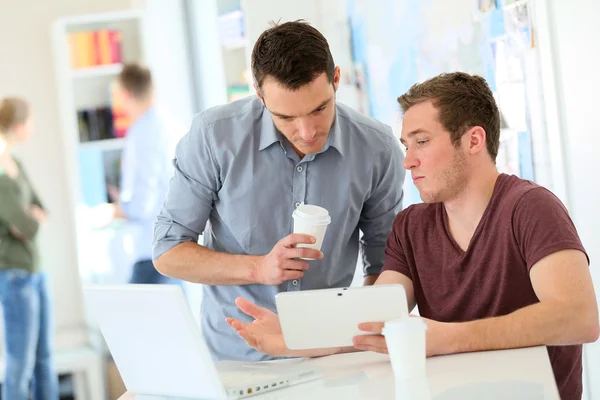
(102, 123)
(93, 48)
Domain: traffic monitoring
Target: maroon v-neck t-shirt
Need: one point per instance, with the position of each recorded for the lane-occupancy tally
(522, 224)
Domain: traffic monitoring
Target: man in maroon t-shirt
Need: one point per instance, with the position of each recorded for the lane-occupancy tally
(492, 261)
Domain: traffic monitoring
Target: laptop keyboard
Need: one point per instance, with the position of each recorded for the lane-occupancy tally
(235, 378)
(254, 378)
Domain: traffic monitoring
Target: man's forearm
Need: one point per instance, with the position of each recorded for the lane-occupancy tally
(195, 263)
(538, 324)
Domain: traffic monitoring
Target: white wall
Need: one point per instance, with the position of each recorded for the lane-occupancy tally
(574, 32)
(167, 55)
(210, 70)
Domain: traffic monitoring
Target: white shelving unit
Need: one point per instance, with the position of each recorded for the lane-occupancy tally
(92, 163)
(110, 70)
(103, 145)
(89, 164)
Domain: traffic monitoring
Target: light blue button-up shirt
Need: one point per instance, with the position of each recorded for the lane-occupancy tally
(236, 171)
(146, 168)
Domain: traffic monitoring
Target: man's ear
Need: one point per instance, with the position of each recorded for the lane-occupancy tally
(259, 93)
(477, 139)
(336, 78)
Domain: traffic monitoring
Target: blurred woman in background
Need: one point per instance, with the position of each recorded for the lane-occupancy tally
(24, 291)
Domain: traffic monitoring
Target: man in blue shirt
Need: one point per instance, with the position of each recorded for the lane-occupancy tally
(145, 168)
(245, 166)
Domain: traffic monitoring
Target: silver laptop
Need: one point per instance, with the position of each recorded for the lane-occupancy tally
(159, 350)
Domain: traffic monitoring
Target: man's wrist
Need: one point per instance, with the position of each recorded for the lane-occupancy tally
(456, 332)
(254, 274)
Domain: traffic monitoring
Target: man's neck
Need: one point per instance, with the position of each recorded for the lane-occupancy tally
(140, 109)
(465, 211)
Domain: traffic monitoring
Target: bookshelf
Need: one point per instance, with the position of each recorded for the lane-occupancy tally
(103, 145)
(97, 71)
(90, 51)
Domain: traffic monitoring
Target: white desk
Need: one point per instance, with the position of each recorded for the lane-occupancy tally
(492, 375)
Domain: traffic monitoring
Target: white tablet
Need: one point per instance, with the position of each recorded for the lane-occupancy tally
(312, 319)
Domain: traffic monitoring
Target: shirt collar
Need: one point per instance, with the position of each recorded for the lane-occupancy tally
(268, 132)
(335, 136)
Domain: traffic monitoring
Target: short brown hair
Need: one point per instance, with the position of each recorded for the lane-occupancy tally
(13, 111)
(137, 80)
(293, 53)
(463, 101)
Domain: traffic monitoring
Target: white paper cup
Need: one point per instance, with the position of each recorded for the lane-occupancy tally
(311, 220)
(412, 389)
(405, 339)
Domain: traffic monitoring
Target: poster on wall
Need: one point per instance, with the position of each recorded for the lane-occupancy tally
(404, 42)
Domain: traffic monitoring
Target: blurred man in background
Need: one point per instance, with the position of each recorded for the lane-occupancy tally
(145, 168)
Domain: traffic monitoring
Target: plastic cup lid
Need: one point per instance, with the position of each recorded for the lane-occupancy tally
(312, 213)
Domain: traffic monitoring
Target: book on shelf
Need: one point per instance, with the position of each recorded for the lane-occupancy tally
(95, 124)
(94, 48)
(100, 175)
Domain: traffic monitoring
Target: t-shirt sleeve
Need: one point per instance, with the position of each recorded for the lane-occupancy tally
(395, 256)
(542, 226)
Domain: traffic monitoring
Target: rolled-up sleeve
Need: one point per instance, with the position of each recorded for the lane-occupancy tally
(192, 191)
(381, 208)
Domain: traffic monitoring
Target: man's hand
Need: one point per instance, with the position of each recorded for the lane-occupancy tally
(437, 339)
(37, 213)
(374, 342)
(280, 264)
(264, 333)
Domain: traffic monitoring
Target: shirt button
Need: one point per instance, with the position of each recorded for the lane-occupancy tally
(295, 282)
(299, 169)
(297, 204)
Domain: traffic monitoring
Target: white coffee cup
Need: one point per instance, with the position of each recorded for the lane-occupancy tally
(405, 339)
(412, 389)
(311, 220)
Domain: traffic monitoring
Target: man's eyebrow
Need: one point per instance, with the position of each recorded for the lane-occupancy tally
(323, 104)
(412, 133)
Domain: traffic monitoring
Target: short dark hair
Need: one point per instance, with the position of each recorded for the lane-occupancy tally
(293, 53)
(463, 101)
(137, 80)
